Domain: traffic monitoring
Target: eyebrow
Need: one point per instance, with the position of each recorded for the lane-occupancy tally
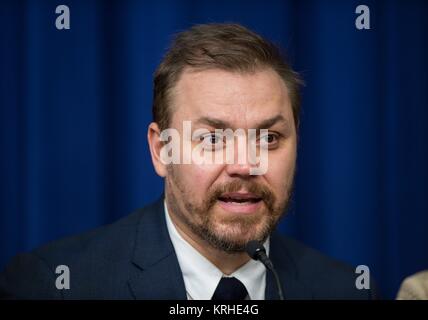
(222, 124)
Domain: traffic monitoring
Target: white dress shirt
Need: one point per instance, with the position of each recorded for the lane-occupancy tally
(201, 277)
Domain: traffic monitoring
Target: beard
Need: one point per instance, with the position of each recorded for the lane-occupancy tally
(226, 232)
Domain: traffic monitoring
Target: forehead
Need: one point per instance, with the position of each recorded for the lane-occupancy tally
(243, 99)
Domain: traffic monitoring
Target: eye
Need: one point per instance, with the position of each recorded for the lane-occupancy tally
(269, 139)
(212, 141)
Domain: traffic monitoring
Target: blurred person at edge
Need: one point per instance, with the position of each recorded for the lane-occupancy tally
(414, 287)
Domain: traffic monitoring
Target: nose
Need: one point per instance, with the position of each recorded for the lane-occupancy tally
(237, 169)
(240, 166)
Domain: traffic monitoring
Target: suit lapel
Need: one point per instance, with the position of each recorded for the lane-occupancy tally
(157, 274)
(293, 288)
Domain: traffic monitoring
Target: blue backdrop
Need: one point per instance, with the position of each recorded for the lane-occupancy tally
(75, 105)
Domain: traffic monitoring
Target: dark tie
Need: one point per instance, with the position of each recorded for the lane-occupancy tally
(230, 289)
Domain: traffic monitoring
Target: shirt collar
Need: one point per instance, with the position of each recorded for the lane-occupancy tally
(201, 277)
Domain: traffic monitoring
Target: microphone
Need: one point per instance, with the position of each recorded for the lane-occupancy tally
(257, 252)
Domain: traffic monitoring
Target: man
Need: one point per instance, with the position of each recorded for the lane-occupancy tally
(191, 243)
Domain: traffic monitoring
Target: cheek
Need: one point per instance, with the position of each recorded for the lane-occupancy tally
(199, 178)
(281, 170)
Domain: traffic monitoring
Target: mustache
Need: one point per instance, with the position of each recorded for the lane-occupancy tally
(257, 189)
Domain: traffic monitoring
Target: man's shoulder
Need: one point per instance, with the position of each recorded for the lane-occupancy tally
(309, 260)
(325, 277)
(91, 258)
(114, 237)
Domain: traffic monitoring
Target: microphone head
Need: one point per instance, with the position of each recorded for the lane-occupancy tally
(254, 248)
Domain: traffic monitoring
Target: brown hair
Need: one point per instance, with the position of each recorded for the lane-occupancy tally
(229, 47)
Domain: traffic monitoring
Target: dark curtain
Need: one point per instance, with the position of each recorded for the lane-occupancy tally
(75, 105)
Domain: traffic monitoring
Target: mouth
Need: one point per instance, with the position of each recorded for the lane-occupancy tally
(240, 202)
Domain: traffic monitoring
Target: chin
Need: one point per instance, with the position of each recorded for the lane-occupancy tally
(238, 234)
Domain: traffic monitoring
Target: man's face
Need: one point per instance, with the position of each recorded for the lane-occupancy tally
(222, 203)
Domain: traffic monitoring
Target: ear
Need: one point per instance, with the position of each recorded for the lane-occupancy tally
(155, 145)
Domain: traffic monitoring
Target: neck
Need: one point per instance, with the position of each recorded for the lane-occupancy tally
(225, 262)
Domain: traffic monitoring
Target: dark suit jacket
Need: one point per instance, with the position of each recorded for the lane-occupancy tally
(134, 258)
